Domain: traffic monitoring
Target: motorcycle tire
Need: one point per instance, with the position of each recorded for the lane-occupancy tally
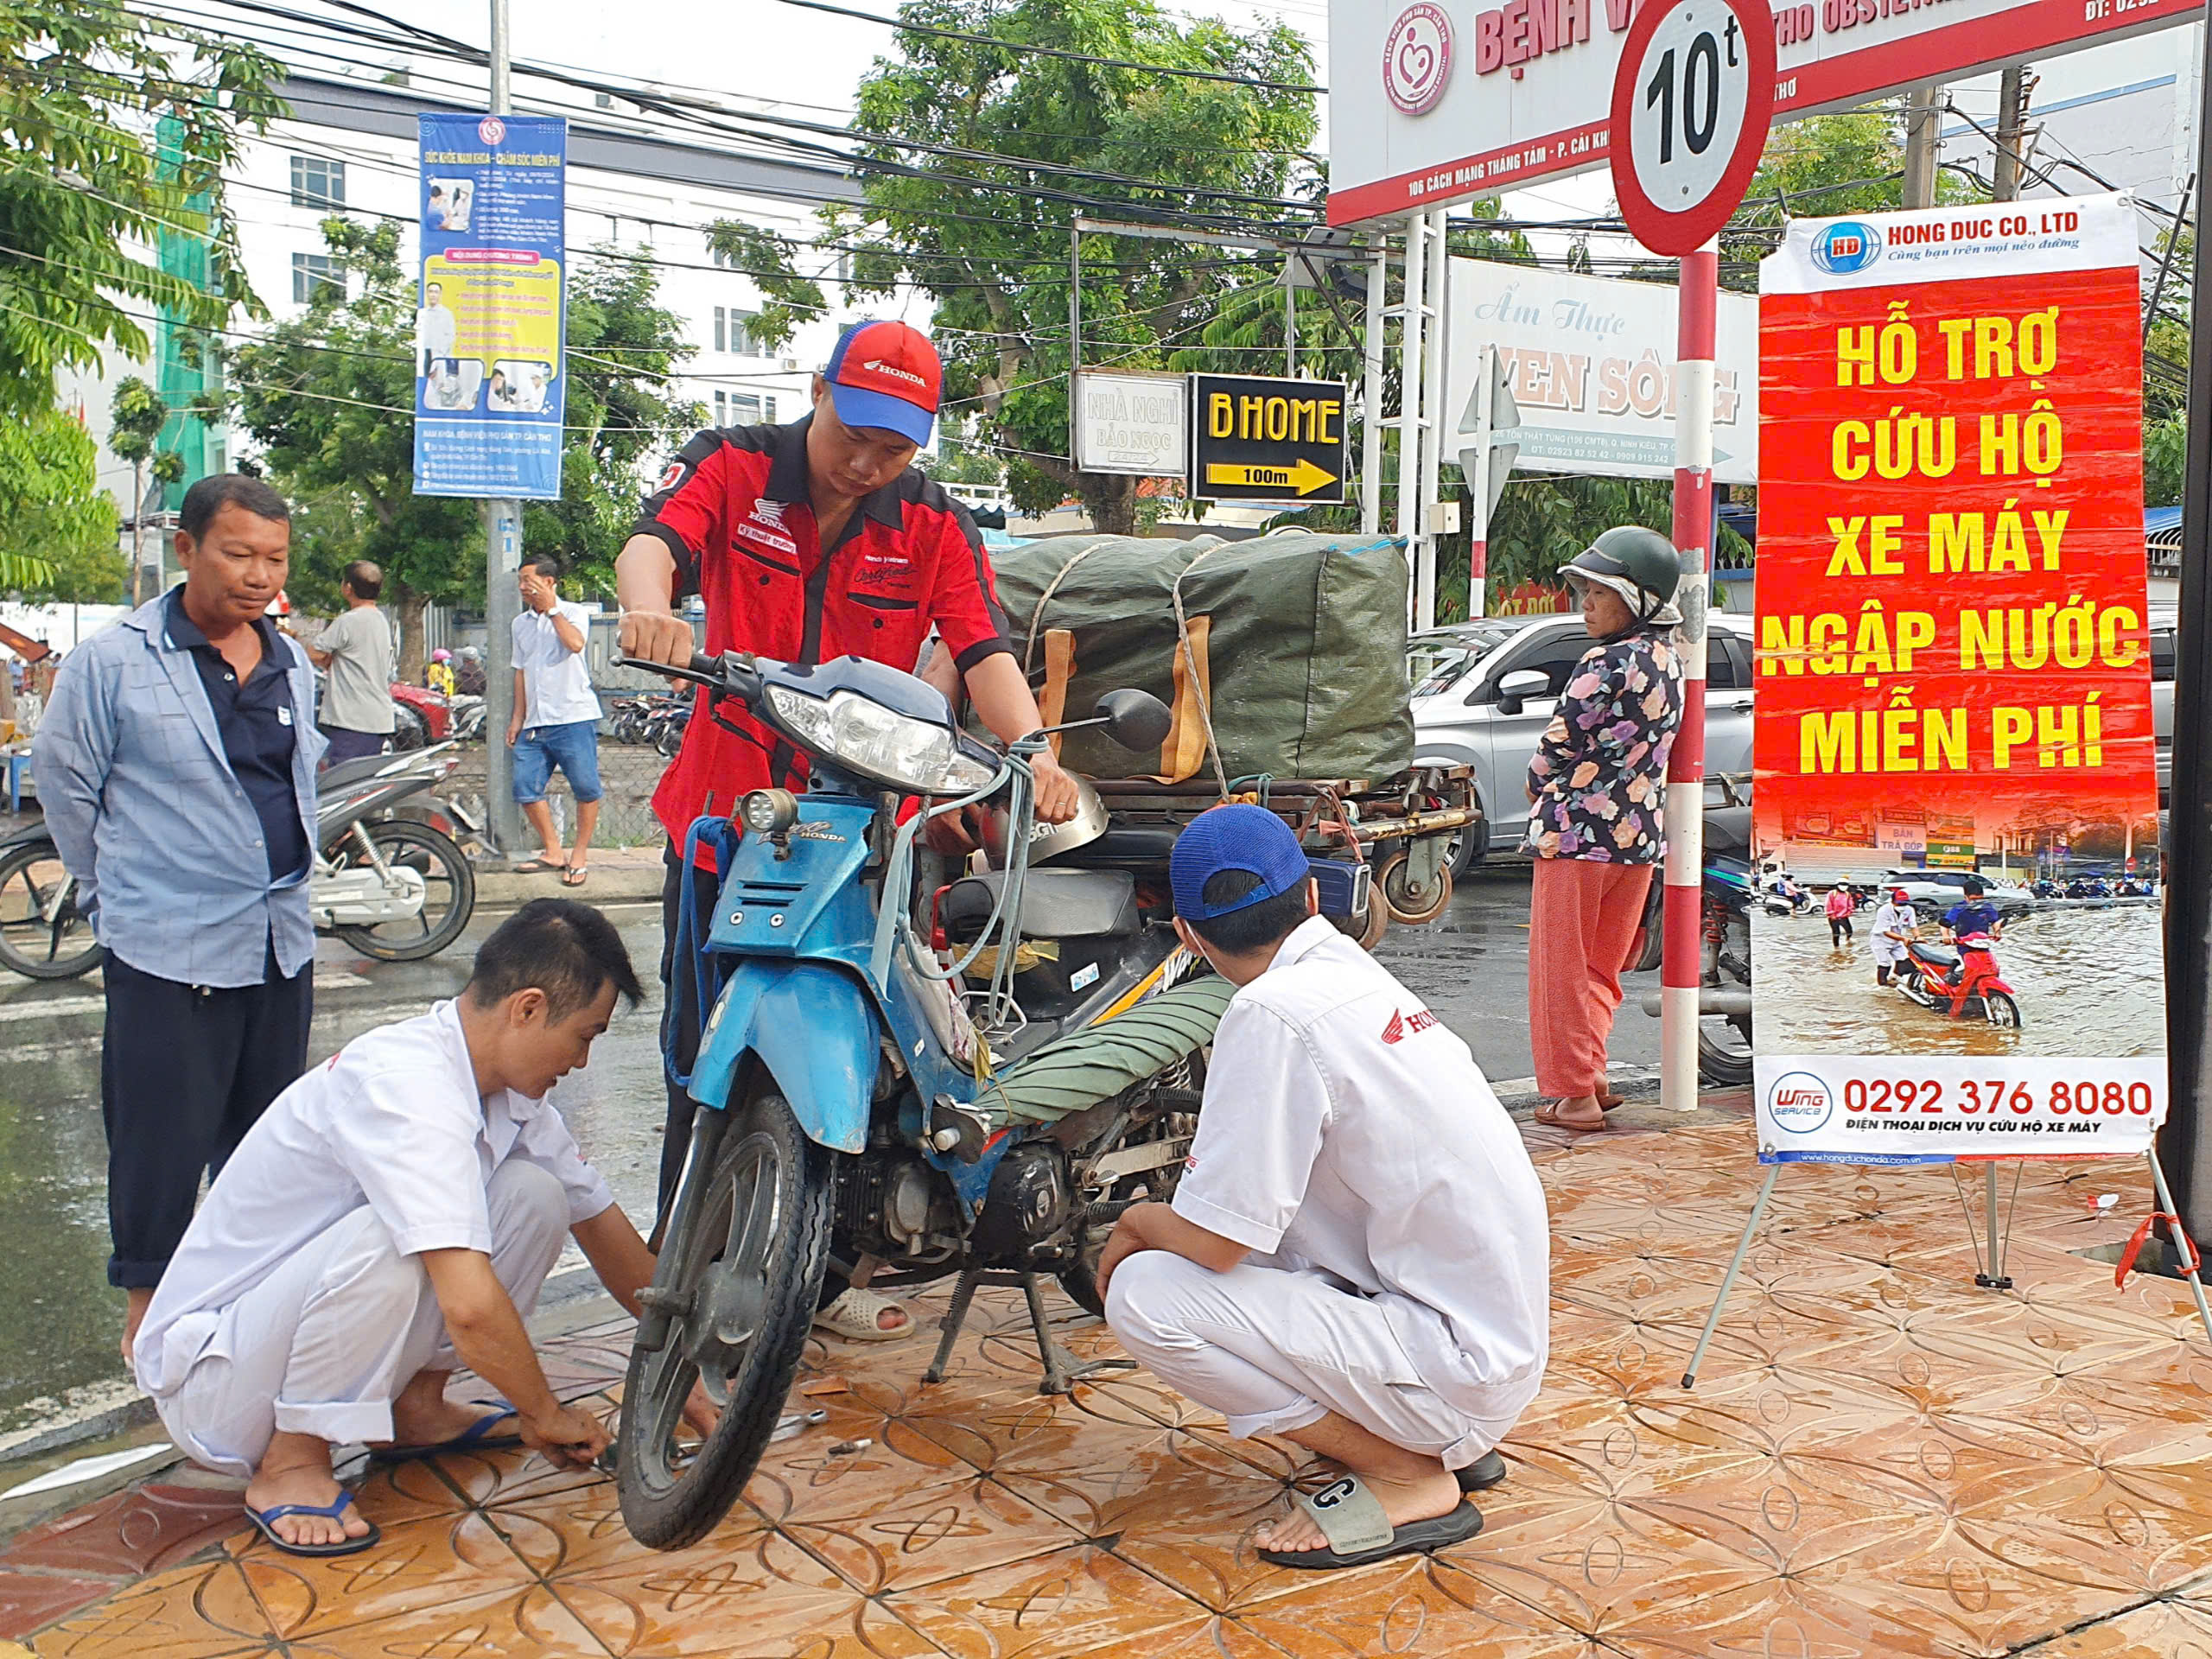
(409, 839)
(20, 885)
(2002, 1011)
(766, 1198)
(1720, 1064)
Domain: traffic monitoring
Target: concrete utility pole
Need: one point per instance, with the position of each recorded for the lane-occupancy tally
(2012, 132)
(1923, 126)
(502, 558)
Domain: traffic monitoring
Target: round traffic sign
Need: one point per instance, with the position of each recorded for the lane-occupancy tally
(1691, 100)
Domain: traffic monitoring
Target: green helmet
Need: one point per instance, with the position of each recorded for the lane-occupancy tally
(1640, 565)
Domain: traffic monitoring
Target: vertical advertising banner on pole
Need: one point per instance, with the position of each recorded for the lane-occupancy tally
(490, 382)
(1955, 691)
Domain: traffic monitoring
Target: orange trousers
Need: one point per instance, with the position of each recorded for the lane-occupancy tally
(1583, 917)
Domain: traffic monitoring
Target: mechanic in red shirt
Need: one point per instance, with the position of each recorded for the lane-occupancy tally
(811, 541)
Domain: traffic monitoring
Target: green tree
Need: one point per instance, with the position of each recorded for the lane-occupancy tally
(997, 262)
(81, 87)
(57, 525)
(136, 415)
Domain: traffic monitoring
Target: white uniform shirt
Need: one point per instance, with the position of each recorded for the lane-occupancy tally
(557, 679)
(393, 1120)
(1345, 1128)
(1893, 918)
(435, 326)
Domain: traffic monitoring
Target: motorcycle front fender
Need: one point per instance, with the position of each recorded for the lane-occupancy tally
(817, 1032)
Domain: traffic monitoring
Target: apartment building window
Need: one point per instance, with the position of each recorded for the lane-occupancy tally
(311, 273)
(744, 408)
(731, 334)
(768, 410)
(721, 410)
(318, 183)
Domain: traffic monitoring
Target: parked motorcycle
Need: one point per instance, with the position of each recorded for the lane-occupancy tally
(1723, 1027)
(388, 878)
(930, 1076)
(1953, 980)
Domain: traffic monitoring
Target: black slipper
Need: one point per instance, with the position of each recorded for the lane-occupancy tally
(1482, 1474)
(1350, 1517)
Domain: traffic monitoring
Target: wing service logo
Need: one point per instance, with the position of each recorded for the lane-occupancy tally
(1799, 1102)
(1847, 246)
(1417, 59)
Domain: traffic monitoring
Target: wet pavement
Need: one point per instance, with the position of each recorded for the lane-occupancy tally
(60, 1367)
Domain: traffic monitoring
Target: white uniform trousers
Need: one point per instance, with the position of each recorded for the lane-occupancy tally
(1274, 1349)
(324, 1344)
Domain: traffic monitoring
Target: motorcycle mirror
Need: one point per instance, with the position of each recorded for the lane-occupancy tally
(1135, 719)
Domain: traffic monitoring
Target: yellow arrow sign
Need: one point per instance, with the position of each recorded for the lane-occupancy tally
(1301, 475)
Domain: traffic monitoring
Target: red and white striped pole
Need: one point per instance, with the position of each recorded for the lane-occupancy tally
(1682, 936)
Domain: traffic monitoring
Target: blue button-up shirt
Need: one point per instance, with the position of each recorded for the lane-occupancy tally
(150, 817)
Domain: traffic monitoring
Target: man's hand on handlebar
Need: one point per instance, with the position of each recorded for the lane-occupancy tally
(657, 637)
(1057, 799)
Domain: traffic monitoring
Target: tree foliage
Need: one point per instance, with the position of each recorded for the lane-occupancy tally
(57, 525)
(84, 192)
(996, 263)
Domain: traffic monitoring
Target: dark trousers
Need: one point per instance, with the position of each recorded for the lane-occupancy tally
(681, 1016)
(1838, 929)
(353, 746)
(185, 1072)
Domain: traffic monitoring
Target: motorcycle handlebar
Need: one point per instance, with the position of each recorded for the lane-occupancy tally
(702, 669)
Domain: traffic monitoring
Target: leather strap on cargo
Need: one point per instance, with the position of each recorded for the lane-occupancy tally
(1059, 667)
(1184, 750)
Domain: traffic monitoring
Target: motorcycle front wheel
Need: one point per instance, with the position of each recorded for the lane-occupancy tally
(2002, 1011)
(39, 939)
(448, 888)
(739, 1279)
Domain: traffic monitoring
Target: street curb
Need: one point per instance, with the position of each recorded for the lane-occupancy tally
(616, 884)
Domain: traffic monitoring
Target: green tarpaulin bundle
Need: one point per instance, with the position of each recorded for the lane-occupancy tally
(1299, 639)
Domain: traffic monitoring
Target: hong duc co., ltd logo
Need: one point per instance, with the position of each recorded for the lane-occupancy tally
(1417, 58)
(1799, 1102)
(491, 130)
(1847, 246)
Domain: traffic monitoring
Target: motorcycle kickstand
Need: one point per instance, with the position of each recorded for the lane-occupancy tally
(1063, 1371)
(955, 1317)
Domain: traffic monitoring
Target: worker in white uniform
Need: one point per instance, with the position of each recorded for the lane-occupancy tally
(1356, 1257)
(391, 1216)
(1897, 924)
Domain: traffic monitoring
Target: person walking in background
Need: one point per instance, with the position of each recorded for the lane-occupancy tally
(1597, 827)
(176, 763)
(468, 672)
(555, 722)
(355, 651)
(1839, 908)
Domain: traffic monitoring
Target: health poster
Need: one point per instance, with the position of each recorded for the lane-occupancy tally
(1954, 880)
(490, 386)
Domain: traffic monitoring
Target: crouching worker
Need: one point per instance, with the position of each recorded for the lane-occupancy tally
(1356, 1257)
(392, 1216)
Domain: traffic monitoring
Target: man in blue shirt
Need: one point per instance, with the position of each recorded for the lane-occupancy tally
(1972, 914)
(176, 765)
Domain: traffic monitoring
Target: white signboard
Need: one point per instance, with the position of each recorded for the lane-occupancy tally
(1432, 105)
(1854, 1108)
(1591, 363)
(1132, 424)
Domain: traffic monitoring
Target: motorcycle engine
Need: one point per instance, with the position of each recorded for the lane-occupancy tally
(1029, 1207)
(893, 1205)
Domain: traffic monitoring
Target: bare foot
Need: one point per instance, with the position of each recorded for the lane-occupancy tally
(136, 1302)
(297, 1470)
(421, 1415)
(1423, 1499)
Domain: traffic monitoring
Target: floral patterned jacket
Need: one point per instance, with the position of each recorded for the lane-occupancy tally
(1599, 772)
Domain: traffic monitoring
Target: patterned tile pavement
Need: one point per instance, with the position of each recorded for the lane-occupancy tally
(1878, 1460)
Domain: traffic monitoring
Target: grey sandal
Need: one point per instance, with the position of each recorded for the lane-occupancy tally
(1350, 1517)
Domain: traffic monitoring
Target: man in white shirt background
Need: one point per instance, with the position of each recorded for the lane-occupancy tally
(555, 722)
(1357, 1256)
(435, 326)
(392, 1216)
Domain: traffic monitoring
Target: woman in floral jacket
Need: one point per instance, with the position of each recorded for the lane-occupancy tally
(1597, 793)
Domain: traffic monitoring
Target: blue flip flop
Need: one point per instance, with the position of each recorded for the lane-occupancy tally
(266, 1521)
(477, 1437)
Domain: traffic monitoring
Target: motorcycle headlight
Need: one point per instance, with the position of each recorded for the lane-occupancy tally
(864, 735)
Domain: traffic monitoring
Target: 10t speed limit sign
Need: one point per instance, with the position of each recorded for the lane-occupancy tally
(1691, 104)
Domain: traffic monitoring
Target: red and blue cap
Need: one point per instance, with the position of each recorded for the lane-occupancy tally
(1240, 836)
(886, 375)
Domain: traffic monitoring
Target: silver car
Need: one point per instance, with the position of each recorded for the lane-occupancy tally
(1483, 693)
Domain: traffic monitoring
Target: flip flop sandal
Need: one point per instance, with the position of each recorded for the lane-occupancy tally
(266, 1521)
(1482, 1474)
(1607, 1101)
(1547, 1115)
(854, 1316)
(573, 875)
(1350, 1517)
(539, 867)
(477, 1437)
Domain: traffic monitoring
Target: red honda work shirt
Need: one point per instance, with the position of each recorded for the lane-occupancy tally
(733, 509)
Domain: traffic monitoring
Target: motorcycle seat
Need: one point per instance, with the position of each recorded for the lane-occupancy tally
(1940, 956)
(1055, 903)
(1124, 847)
(347, 772)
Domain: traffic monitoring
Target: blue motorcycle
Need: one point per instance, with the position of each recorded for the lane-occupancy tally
(906, 1072)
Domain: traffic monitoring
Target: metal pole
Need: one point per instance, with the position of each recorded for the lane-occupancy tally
(1682, 926)
(502, 558)
(1075, 335)
(1923, 128)
(2166, 1203)
(1438, 273)
(2012, 124)
(1289, 326)
(1370, 424)
(2166, 258)
(1409, 338)
(2185, 1150)
(1479, 481)
(1728, 1283)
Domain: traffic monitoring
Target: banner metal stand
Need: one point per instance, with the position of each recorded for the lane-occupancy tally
(1991, 1279)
